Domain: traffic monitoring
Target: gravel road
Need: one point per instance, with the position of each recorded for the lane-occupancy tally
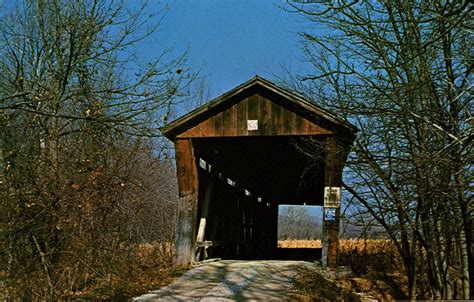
(232, 280)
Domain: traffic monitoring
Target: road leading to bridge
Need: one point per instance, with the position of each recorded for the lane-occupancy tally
(232, 280)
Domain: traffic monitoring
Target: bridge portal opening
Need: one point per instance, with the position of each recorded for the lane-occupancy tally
(300, 225)
(300, 230)
(238, 159)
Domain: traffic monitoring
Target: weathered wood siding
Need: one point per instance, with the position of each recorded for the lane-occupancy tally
(273, 119)
(188, 185)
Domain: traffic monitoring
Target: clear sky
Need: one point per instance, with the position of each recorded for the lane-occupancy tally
(233, 40)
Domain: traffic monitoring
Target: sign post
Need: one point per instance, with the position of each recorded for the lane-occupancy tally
(333, 164)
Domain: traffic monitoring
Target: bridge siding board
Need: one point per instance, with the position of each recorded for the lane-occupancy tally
(253, 113)
(218, 124)
(188, 201)
(242, 117)
(187, 171)
(265, 116)
(273, 119)
(230, 121)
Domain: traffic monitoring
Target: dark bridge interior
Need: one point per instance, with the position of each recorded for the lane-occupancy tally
(242, 180)
(270, 167)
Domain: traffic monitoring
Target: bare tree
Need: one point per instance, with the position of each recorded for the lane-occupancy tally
(78, 111)
(401, 71)
(295, 222)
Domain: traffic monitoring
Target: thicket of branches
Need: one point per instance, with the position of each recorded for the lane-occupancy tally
(401, 71)
(82, 180)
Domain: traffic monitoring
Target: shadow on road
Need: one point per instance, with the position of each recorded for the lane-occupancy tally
(232, 280)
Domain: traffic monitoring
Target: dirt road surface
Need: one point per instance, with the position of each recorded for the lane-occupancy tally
(232, 280)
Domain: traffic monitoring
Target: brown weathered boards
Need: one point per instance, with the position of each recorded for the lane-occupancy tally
(239, 157)
(273, 119)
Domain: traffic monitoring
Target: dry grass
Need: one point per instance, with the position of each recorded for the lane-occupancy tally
(299, 244)
(345, 245)
(147, 267)
(368, 245)
(377, 266)
(311, 285)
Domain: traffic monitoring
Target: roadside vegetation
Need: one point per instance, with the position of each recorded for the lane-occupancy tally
(401, 71)
(87, 188)
(375, 270)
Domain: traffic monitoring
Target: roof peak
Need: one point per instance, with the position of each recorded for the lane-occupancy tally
(170, 130)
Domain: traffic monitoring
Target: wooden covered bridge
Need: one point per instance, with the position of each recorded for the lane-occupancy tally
(238, 159)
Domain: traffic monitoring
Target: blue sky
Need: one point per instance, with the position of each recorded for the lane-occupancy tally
(233, 40)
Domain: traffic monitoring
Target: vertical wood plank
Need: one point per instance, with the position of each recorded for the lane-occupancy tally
(266, 116)
(254, 112)
(298, 125)
(277, 118)
(218, 124)
(186, 167)
(290, 123)
(307, 128)
(230, 121)
(242, 117)
(188, 199)
(286, 122)
(206, 128)
(201, 230)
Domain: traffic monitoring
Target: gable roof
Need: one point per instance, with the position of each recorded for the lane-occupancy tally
(191, 119)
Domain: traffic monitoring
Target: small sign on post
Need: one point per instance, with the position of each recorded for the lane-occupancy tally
(330, 214)
(332, 197)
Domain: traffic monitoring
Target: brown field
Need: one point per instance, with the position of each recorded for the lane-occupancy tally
(299, 244)
(345, 245)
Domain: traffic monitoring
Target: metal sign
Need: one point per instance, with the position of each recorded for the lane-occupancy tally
(332, 197)
(330, 214)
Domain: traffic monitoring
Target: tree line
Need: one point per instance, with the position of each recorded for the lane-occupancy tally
(295, 222)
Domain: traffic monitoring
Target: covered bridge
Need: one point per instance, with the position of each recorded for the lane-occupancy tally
(238, 159)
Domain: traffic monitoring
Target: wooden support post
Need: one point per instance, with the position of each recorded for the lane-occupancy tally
(206, 203)
(200, 240)
(274, 223)
(333, 164)
(188, 199)
(210, 231)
